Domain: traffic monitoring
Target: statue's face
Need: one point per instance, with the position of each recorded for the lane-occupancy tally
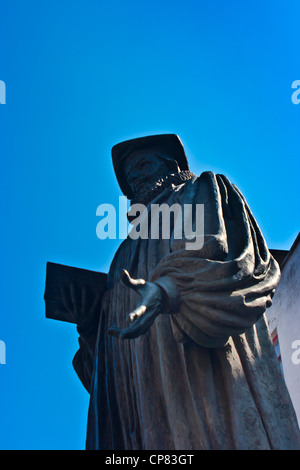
(140, 168)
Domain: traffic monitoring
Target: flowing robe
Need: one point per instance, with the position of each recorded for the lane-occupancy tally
(205, 376)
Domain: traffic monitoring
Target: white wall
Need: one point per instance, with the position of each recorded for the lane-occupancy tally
(285, 315)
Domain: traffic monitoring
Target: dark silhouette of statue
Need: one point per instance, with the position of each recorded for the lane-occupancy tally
(174, 346)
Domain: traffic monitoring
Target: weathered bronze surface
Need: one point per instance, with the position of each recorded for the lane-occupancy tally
(174, 349)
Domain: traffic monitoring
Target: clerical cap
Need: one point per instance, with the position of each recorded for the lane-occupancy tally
(169, 145)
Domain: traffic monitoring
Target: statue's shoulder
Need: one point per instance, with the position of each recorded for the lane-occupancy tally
(209, 174)
(211, 180)
(206, 175)
(213, 177)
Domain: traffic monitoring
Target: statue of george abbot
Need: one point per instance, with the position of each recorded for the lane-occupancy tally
(174, 348)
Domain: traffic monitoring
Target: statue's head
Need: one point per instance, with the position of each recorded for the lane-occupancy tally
(136, 161)
(145, 165)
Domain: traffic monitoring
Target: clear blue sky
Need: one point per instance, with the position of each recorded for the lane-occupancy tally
(83, 75)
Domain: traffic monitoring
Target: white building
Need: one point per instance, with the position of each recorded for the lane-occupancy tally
(284, 319)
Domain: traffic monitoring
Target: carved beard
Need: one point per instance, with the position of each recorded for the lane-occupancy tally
(158, 182)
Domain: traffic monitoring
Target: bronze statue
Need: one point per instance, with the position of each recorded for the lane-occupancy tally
(174, 346)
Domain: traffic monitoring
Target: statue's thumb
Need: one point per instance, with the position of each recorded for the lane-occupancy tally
(129, 282)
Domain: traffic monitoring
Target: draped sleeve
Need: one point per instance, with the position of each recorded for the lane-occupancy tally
(224, 287)
(83, 362)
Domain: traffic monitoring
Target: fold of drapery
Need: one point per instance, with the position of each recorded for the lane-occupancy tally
(155, 392)
(227, 284)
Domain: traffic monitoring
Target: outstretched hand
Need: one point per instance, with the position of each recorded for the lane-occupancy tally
(151, 304)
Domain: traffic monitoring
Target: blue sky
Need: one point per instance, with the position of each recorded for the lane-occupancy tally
(83, 75)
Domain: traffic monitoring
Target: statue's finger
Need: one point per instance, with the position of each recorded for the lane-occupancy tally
(137, 313)
(135, 284)
(139, 326)
(133, 331)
